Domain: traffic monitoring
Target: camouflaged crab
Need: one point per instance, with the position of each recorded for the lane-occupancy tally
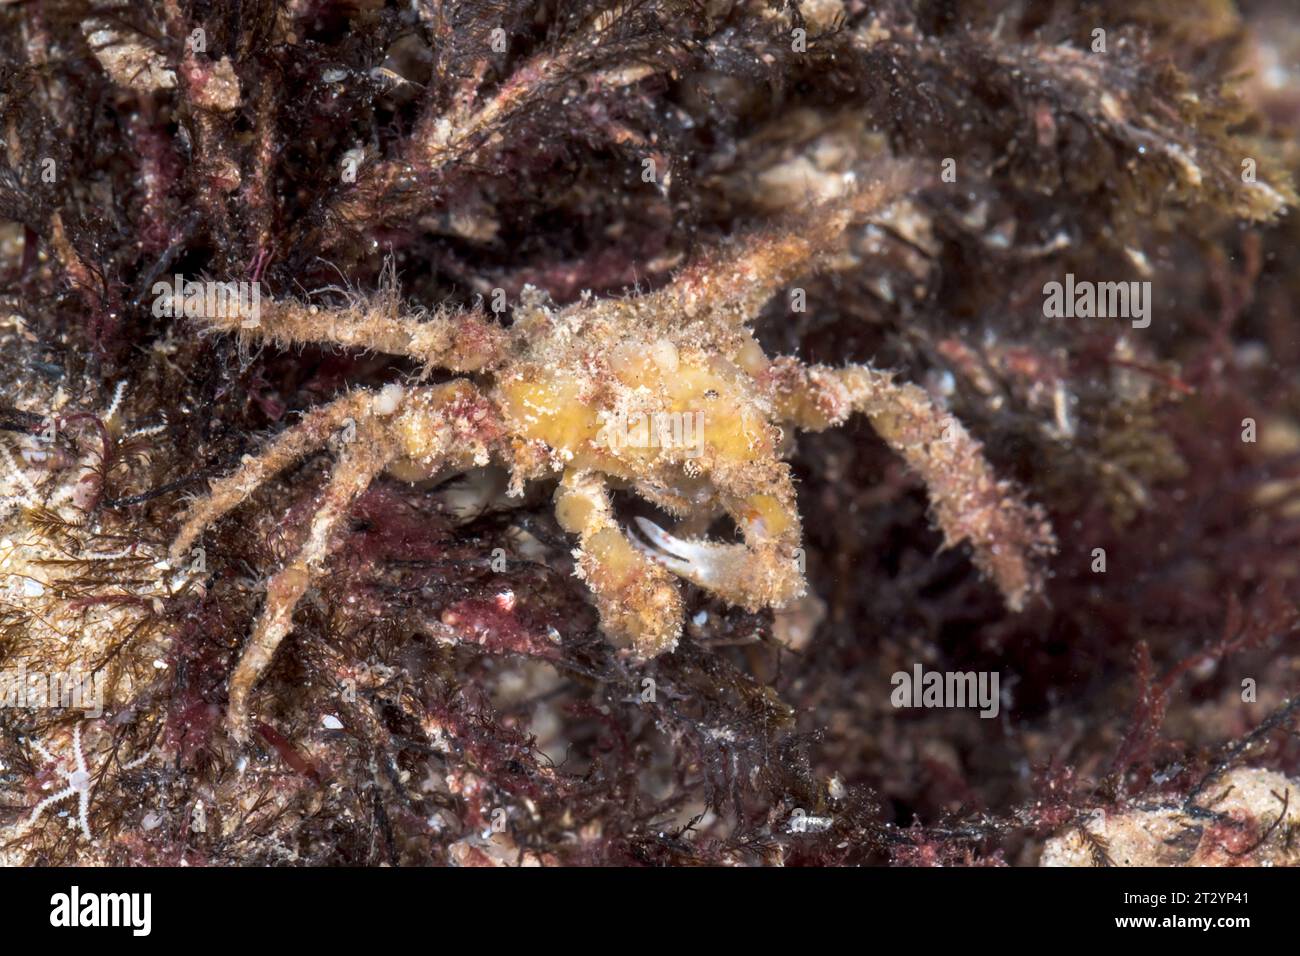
(548, 396)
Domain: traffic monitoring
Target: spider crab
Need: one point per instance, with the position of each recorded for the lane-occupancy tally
(548, 397)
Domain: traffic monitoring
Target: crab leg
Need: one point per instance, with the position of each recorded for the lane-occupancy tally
(1008, 537)
(358, 466)
(459, 341)
(638, 600)
(229, 492)
(761, 265)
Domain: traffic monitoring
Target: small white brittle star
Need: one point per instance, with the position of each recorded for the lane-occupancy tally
(78, 779)
(22, 492)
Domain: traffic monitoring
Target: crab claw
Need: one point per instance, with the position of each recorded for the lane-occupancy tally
(699, 562)
(752, 576)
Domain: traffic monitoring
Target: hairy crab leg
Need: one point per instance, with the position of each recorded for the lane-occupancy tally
(639, 602)
(1009, 538)
(761, 265)
(293, 443)
(359, 464)
(459, 341)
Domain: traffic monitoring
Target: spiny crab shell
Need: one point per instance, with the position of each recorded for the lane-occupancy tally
(592, 391)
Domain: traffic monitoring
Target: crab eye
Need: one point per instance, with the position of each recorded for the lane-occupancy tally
(711, 394)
